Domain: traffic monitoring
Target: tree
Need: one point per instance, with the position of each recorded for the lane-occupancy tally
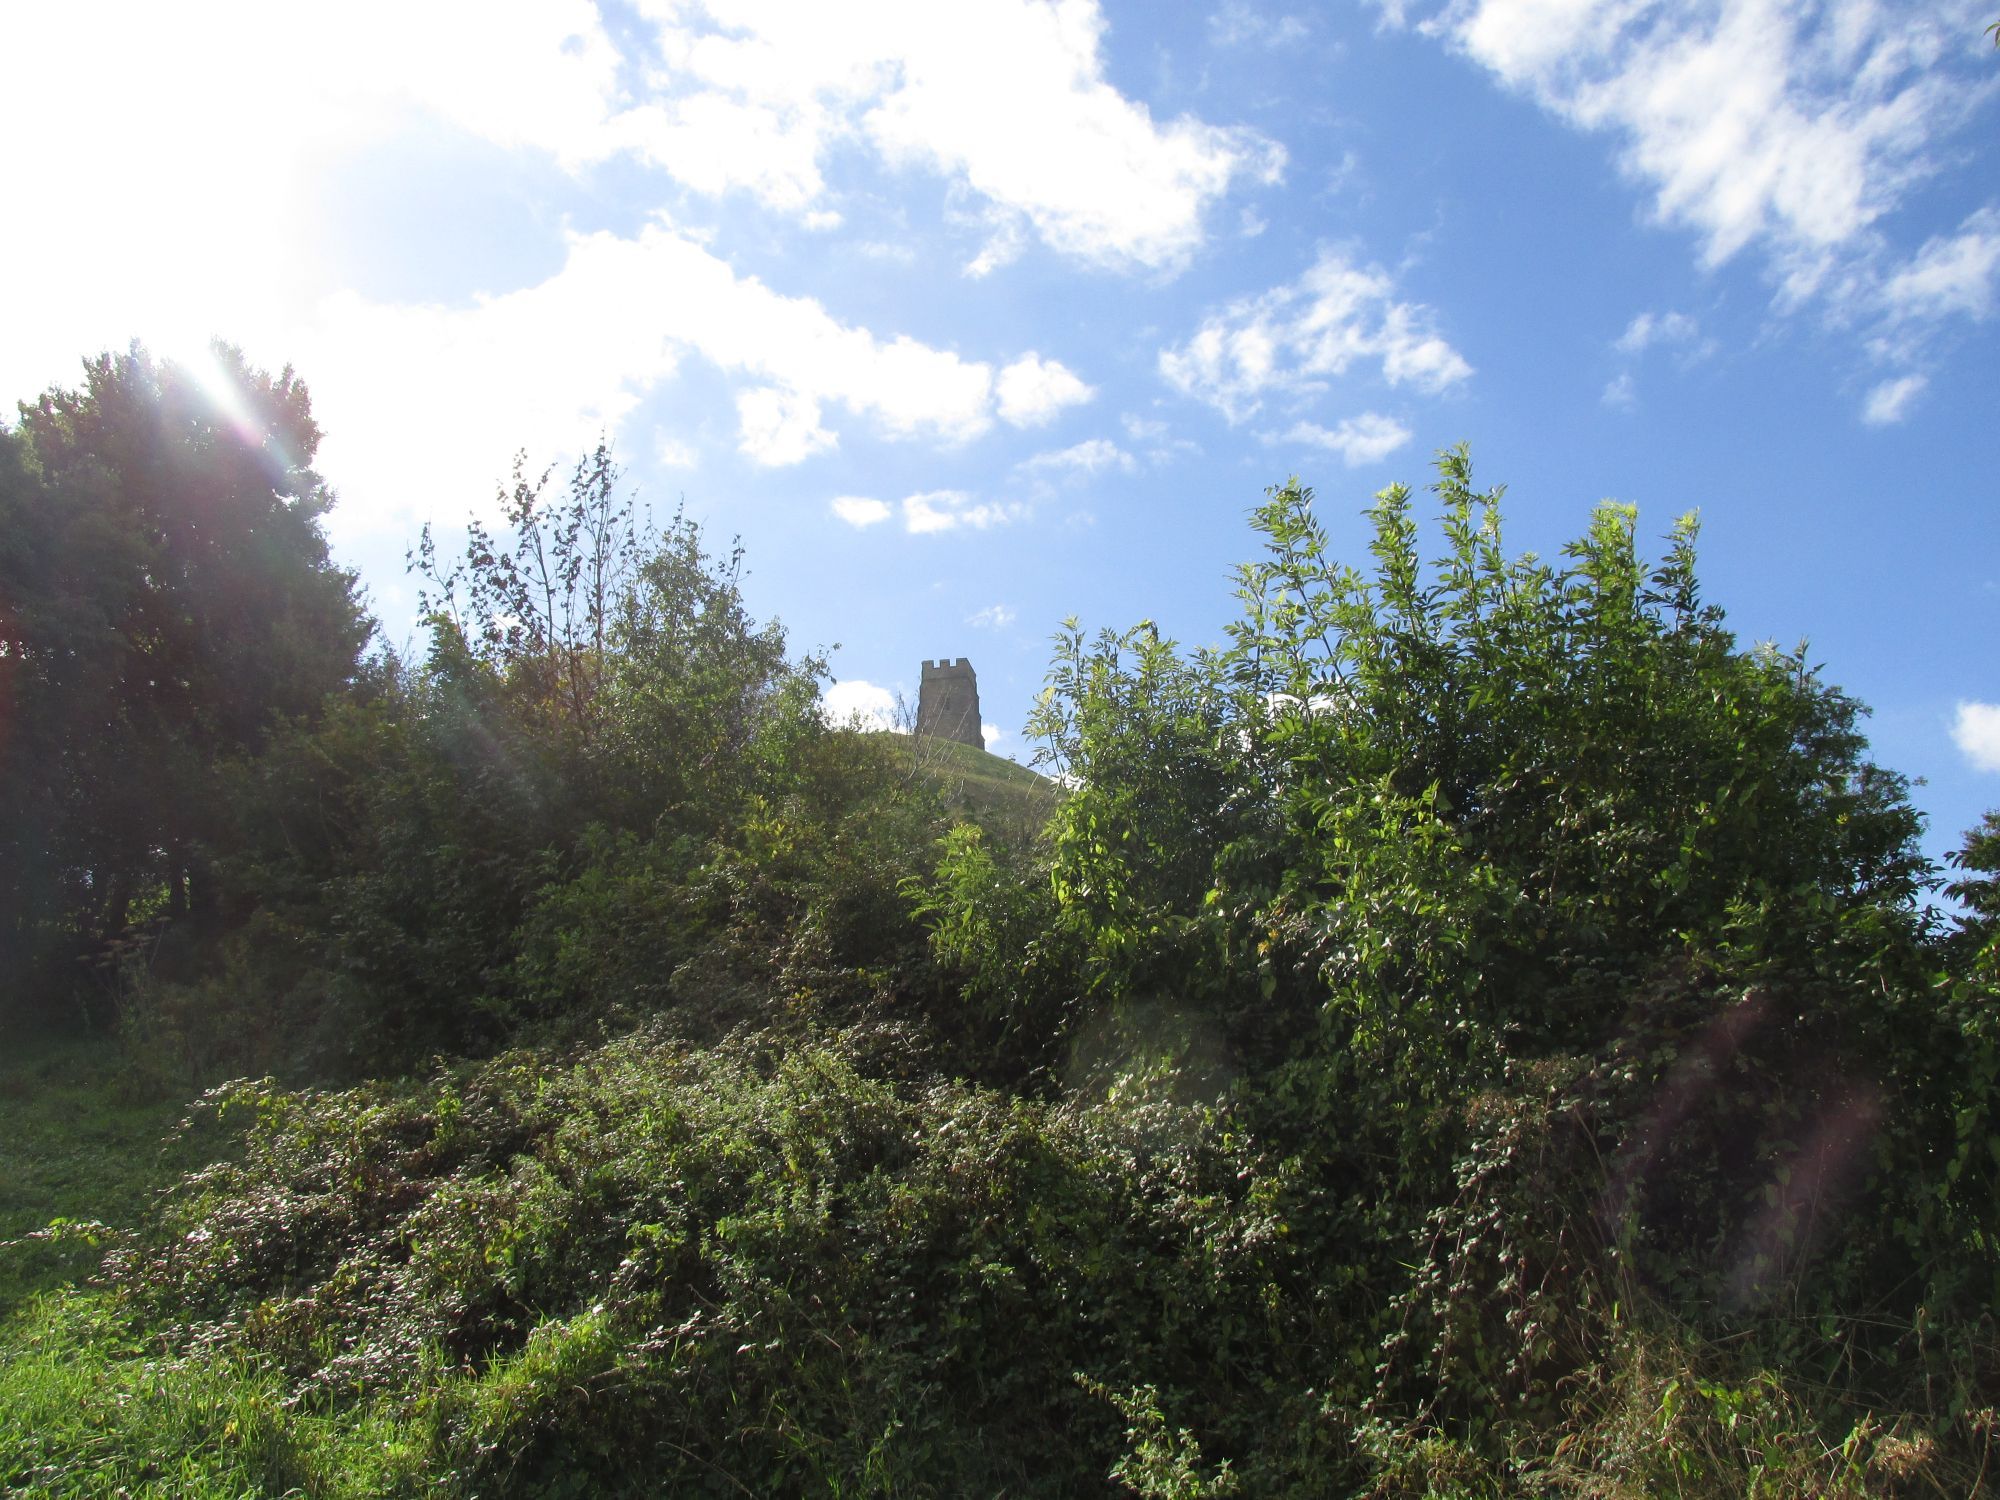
(510, 828)
(1567, 951)
(1454, 783)
(170, 600)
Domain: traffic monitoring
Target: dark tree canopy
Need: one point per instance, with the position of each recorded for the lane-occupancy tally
(166, 598)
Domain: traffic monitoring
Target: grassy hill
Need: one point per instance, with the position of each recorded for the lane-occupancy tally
(1003, 796)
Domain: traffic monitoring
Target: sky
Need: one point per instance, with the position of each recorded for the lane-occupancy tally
(967, 317)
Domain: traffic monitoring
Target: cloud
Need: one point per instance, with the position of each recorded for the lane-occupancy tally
(888, 252)
(1977, 734)
(1292, 339)
(1161, 446)
(859, 511)
(1003, 249)
(1009, 102)
(935, 511)
(1794, 131)
(416, 398)
(1366, 439)
(212, 125)
(1890, 401)
(425, 403)
(715, 144)
(953, 510)
(1648, 329)
(845, 703)
(1033, 391)
(1237, 23)
(1791, 126)
(994, 617)
(991, 734)
(1092, 456)
(1950, 275)
(780, 427)
(672, 453)
(1651, 330)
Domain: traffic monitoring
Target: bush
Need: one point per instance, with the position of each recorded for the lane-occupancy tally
(665, 1263)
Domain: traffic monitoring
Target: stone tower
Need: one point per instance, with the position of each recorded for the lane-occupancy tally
(948, 702)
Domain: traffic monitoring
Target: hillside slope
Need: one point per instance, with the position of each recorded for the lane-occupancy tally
(1003, 796)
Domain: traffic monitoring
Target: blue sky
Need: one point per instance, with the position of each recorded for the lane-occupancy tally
(970, 316)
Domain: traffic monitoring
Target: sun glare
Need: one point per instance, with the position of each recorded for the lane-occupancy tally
(219, 386)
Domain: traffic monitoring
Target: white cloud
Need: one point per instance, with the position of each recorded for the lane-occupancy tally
(420, 400)
(935, 511)
(1366, 439)
(1648, 329)
(1977, 734)
(1006, 99)
(1794, 126)
(672, 453)
(1890, 401)
(952, 510)
(1033, 391)
(780, 427)
(1161, 445)
(1291, 339)
(1237, 22)
(1795, 129)
(1004, 230)
(1004, 243)
(1092, 456)
(859, 511)
(714, 143)
(426, 403)
(259, 99)
(857, 701)
(1621, 392)
(992, 734)
(887, 251)
(1950, 274)
(994, 617)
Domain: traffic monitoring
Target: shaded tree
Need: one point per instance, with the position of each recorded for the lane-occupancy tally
(166, 598)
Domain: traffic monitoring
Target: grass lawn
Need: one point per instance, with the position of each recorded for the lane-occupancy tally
(82, 1136)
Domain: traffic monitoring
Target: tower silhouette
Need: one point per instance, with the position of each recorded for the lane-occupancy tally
(948, 702)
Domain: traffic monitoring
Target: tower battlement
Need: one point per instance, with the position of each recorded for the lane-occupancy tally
(948, 701)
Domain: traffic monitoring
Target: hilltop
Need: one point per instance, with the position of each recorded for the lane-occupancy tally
(1003, 796)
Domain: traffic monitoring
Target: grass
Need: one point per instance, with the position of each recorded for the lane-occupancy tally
(1003, 796)
(87, 1408)
(81, 1139)
(87, 1405)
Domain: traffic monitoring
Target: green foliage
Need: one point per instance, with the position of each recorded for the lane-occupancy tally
(659, 1266)
(1006, 799)
(605, 780)
(1162, 1463)
(1610, 772)
(1476, 1034)
(1570, 954)
(995, 939)
(169, 602)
